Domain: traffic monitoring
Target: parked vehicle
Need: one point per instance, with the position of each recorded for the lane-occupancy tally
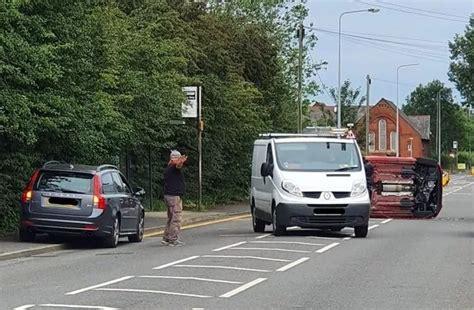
(91, 201)
(404, 187)
(310, 181)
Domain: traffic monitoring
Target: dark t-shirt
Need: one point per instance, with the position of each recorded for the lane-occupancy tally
(174, 181)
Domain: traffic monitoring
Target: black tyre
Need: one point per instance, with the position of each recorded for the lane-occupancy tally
(112, 240)
(361, 231)
(26, 235)
(138, 236)
(278, 230)
(258, 224)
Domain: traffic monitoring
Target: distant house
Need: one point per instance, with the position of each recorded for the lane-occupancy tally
(321, 114)
(414, 131)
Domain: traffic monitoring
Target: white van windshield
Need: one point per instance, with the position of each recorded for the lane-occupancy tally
(317, 156)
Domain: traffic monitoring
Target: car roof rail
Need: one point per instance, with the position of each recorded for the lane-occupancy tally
(51, 163)
(105, 167)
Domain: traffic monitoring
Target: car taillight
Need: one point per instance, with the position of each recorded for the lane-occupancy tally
(28, 192)
(97, 198)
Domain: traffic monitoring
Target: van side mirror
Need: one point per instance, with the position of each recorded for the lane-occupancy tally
(266, 170)
(139, 192)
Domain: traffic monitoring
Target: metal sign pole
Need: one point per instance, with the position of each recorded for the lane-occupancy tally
(200, 129)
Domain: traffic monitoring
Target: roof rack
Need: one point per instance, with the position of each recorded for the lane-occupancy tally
(315, 132)
(104, 167)
(51, 163)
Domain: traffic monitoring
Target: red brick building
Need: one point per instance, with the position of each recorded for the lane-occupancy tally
(414, 131)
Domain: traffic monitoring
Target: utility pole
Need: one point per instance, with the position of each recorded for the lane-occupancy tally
(300, 76)
(367, 116)
(438, 140)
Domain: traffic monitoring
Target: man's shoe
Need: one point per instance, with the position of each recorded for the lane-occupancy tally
(176, 243)
(165, 242)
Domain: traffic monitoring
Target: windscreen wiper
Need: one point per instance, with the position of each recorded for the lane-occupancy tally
(347, 168)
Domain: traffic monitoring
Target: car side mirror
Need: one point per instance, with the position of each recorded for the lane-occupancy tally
(139, 192)
(266, 170)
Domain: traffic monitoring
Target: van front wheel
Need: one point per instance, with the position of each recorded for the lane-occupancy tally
(361, 231)
(278, 230)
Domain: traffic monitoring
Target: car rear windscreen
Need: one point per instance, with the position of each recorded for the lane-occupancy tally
(64, 182)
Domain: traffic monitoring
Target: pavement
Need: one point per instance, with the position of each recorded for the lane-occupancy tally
(402, 264)
(11, 247)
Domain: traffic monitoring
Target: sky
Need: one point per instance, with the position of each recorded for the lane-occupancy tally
(380, 60)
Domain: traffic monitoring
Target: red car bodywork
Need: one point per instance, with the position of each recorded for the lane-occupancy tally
(404, 187)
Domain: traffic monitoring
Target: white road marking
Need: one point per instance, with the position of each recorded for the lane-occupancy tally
(243, 288)
(24, 307)
(65, 306)
(249, 257)
(347, 238)
(328, 247)
(150, 291)
(82, 290)
(271, 249)
(229, 246)
(293, 264)
(191, 278)
(386, 221)
(176, 262)
(373, 226)
(458, 189)
(287, 242)
(222, 267)
(263, 236)
(324, 238)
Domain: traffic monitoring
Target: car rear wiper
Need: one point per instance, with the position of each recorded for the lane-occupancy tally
(347, 168)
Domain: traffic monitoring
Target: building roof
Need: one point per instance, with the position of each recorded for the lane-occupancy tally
(421, 123)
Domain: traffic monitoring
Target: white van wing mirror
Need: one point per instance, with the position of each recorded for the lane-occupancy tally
(266, 170)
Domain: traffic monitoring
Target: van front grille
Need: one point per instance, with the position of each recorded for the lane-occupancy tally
(314, 195)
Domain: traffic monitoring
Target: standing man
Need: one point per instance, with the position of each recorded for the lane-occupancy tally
(174, 190)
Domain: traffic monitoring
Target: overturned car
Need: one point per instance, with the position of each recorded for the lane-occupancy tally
(404, 187)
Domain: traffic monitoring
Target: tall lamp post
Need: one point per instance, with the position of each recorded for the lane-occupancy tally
(371, 10)
(398, 114)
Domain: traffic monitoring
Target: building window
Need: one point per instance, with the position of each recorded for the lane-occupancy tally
(382, 135)
(393, 141)
(372, 142)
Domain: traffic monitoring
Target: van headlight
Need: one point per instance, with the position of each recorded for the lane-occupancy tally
(358, 188)
(291, 188)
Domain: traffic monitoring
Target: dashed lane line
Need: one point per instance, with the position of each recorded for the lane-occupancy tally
(192, 278)
(222, 267)
(131, 290)
(270, 249)
(263, 236)
(242, 288)
(249, 257)
(229, 246)
(176, 262)
(287, 242)
(373, 226)
(386, 221)
(293, 264)
(328, 247)
(99, 285)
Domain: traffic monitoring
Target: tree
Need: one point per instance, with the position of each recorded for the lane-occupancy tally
(423, 101)
(351, 100)
(461, 69)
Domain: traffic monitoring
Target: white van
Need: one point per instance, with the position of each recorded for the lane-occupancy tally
(310, 181)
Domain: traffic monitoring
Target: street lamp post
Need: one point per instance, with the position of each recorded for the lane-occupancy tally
(398, 114)
(438, 127)
(371, 10)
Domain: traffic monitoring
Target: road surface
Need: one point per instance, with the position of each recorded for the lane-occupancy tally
(402, 264)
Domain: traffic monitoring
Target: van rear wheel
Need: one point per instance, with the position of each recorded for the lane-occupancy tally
(258, 224)
(278, 230)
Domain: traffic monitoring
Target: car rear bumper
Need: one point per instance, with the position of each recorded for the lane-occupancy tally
(98, 227)
(323, 216)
